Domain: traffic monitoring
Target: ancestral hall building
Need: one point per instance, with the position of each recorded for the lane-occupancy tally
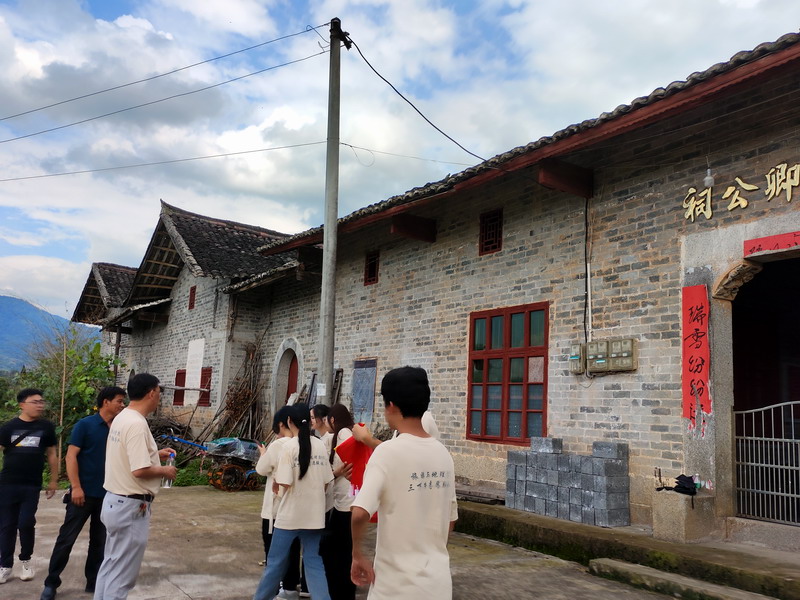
(632, 278)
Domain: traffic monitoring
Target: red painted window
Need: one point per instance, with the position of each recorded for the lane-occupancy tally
(371, 264)
(192, 295)
(491, 232)
(205, 383)
(507, 398)
(180, 381)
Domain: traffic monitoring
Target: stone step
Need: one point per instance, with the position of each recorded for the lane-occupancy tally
(671, 584)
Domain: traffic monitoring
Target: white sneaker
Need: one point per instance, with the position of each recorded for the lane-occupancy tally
(5, 574)
(27, 571)
(288, 595)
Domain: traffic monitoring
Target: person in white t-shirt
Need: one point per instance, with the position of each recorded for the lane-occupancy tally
(410, 482)
(337, 543)
(320, 425)
(301, 476)
(266, 466)
(132, 479)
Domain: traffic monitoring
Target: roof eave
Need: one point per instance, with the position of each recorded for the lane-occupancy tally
(635, 118)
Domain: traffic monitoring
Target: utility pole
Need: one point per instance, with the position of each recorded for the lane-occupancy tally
(327, 308)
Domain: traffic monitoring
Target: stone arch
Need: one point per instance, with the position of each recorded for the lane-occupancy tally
(289, 350)
(727, 285)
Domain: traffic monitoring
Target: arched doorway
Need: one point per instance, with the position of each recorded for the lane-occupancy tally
(766, 367)
(287, 373)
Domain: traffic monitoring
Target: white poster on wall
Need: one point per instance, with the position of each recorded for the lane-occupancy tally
(194, 366)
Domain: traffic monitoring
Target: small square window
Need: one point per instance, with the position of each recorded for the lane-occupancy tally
(371, 264)
(491, 232)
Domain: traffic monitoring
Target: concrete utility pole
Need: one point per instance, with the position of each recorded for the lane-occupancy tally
(327, 308)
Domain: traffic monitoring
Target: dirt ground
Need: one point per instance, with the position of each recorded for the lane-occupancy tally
(205, 544)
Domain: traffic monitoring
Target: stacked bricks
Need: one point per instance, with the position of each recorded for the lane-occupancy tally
(585, 489)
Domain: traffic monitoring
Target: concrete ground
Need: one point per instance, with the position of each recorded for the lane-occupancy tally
(206, 544)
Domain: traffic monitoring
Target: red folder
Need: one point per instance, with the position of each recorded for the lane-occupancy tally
(354, 452)
(357, 454)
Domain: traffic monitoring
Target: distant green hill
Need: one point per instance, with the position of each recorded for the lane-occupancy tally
(21, 325)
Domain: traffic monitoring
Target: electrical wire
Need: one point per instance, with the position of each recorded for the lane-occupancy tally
(444, 162)
(172, 72)
(411, 104)
(222, 155)
(189, 93)
(160, 162)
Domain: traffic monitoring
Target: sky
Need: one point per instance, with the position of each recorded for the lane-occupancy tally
(492, 74)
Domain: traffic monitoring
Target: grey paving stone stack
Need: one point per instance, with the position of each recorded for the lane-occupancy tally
(586, 489)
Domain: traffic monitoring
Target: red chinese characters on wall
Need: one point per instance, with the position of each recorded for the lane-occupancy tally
(695, 356)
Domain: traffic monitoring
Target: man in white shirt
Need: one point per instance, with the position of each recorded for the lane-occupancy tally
(410, 482)
(132, 480)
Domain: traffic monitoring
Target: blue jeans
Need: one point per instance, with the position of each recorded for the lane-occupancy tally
(18, 504)
(278, 558)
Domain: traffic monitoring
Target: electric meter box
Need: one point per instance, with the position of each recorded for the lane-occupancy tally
(576, 358)
(623, 355)
(597, 357)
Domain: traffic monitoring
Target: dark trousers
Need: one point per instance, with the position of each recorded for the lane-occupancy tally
(293, 576)
(18, 504)
(74, 520)
(337, 553)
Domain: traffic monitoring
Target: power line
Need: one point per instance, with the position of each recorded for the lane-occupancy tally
(160, 162)
(203, 89)
(411, 104)
(222, 155)
(433, 160)
(172, 72)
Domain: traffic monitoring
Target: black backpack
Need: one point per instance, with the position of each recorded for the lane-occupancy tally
(685, 485)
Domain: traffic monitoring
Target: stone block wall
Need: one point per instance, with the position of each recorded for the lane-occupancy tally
(585, 489)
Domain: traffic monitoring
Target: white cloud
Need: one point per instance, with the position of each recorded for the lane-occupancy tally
(49, 282)
(492, 74)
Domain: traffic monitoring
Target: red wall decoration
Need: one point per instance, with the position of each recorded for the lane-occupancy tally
(695, 356)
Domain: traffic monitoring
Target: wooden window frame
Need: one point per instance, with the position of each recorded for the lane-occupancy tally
(490, 239)
(372, 262)
(192, 296)
(180, 381)
(205, 382)
(506, 353)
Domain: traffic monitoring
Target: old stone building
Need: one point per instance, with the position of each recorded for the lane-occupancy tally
(170, 317)
(509, 281)
(625, 288)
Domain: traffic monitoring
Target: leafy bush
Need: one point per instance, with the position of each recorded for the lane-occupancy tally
(191, 474)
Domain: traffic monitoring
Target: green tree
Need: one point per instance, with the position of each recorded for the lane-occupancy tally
(70, 368)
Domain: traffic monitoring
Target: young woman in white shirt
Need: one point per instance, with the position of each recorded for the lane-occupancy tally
(337, 545)
(266, 466)
(300, 478)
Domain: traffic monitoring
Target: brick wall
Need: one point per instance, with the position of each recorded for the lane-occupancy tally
(418, 312)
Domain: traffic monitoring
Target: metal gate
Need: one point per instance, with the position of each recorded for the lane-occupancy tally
(768, 463)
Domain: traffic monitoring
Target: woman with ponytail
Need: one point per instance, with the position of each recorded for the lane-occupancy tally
(337, 546)
(266, 466)
(299, 480)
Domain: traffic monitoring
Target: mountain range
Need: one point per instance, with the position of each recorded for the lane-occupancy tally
(22, 326)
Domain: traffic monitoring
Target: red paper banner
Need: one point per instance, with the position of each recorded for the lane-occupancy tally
(696, 354)
(783, 241)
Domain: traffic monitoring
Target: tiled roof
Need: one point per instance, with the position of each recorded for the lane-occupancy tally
(217, 248)
(208, 247)
(451, 181)
(106, 288)
(114, 282)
